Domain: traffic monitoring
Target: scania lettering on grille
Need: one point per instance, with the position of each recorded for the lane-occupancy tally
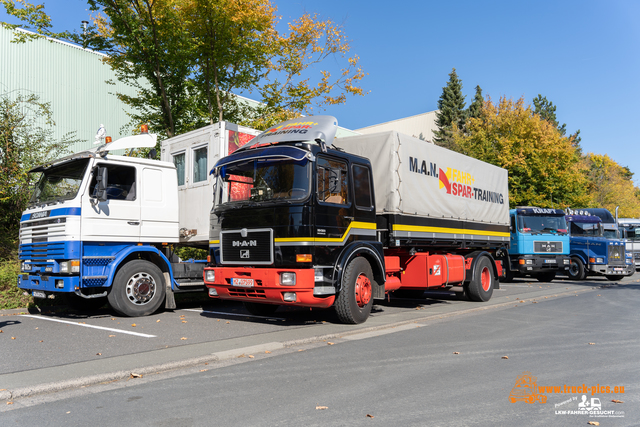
(244, 243)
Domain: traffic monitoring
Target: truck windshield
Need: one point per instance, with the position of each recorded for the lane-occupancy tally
(262, 180)
(586, 229)
(541, 224)
(633, 231)
(59, 182)
(611, 234)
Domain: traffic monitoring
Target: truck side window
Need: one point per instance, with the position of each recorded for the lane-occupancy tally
(513, 224)
(178, 160)
(332, 181)
(200, 164)
(362, 187)
(121, 184)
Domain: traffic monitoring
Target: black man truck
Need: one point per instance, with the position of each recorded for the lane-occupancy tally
(305, 220)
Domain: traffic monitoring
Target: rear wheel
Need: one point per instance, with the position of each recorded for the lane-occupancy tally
(576, 269)
(258, 309)
(353, 303)
(138, 289)
(481, 286)
(546, 276)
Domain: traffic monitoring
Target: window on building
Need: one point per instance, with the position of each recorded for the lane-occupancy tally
(200, 164)
(179, 161)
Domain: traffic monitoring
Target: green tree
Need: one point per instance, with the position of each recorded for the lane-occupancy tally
(475, 108)
(26, 140)
(451, 114)
(545, 169)
(545, 109)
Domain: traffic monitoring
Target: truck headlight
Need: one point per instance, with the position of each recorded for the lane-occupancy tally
(600, 260)
(288, 279)
(566, 261)
(529, 261)
(25, 267)
(71, 266)
(209, 275)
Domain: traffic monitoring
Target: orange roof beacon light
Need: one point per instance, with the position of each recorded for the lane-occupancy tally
(107, 140)
(144, 129)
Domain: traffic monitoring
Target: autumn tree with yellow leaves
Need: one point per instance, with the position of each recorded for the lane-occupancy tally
(611, 186)
(545, 168)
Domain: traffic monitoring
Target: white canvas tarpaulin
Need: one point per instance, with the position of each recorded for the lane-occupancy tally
(417, 178)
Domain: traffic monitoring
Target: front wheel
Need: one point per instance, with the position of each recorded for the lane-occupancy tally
(576, 269)
(138, 289)
(481, 286)
(355, 299)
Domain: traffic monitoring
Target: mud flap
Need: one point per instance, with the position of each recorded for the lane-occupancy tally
(170, 300)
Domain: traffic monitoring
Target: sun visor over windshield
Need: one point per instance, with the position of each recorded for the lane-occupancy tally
(311, 128)
(285, 152)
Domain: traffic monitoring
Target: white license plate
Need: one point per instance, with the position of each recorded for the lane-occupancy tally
(38, 294)
(550, 261)
(244, 283)
(48, 269)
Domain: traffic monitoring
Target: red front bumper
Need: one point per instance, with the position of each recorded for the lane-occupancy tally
(264, 286)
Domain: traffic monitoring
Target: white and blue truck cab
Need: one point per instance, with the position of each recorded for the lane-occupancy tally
(101, 227)
(539, 243)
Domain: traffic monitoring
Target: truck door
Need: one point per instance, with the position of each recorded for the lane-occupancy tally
(116, 219)
(334, 210)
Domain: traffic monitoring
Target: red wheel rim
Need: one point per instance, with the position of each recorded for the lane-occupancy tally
(485, 278)
(363, 290)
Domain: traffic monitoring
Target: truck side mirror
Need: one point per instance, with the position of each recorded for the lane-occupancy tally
(102, 179)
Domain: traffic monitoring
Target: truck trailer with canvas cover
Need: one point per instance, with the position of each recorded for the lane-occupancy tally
(101, 227)
(298, 223)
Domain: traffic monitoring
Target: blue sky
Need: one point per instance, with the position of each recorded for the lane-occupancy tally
(582, 55)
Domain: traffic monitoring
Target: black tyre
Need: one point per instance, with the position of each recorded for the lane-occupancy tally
(258, 309)
(481, 286)
(546, 276)
(409, 293)
(84, 304)
(138, 289)
(576, 269)
(508, 274)
(614, 277)
(353, 303)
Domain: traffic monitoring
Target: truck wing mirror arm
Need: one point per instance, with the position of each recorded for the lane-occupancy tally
(102, 179)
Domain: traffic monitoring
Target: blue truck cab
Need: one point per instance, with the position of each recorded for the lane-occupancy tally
(539, 245)
(594, 254)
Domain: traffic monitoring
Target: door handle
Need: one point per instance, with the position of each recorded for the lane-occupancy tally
(133, 222)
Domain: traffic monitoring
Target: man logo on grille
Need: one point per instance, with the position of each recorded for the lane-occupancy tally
(244, 253)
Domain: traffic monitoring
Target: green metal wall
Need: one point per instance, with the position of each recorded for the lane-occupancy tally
(72, 80)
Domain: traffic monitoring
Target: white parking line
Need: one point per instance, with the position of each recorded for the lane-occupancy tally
(235, 314)
(91, 326)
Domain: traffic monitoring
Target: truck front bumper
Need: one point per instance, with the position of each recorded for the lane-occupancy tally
(531, 264)
(48, 283)
(266, 285)
(613, 270)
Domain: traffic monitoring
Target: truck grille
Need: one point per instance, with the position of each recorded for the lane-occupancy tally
(547, 247)
(256, 247)
(616, 254)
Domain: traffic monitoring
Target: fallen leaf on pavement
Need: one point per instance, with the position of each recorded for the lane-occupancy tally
(592, 343)
(157, 320)
(203, 370)
(593, 423)
(133, 324)
(228, 321)
(267, 351)
(456, 352)
(98, 354)
(616, 401)
(370, 416)
(251, 356)
(184, 321)
(330, 343)
(13, 338)
(9, 403)
(322, 407)
(134, 375)
(183, 338)
(111, 336)
(505, 357)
